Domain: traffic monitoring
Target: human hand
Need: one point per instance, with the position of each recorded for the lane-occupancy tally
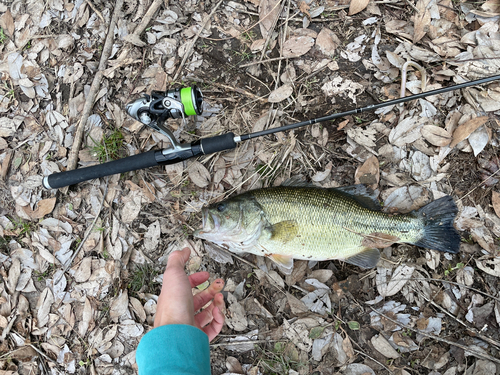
(177, 305)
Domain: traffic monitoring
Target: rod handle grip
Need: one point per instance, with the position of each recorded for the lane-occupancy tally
(218, 143)
(131, 163)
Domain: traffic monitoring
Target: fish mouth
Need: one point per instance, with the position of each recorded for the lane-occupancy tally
(210, 223)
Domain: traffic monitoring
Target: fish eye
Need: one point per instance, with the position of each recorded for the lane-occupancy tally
(221, 207)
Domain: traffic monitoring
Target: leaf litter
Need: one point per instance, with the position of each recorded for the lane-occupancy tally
(84, 309)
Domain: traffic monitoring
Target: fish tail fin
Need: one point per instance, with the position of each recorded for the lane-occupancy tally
(439, 233)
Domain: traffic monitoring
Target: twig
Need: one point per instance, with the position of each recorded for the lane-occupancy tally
(147, 17)
(191, 45)
(437, 338)
(268, 60)
(230, 88)
(94, 88)
(96, 11)
(77, 251)
(373, 359)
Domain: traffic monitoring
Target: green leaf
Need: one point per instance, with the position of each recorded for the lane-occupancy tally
(316, 332)
(353, 325)
(279, 347)
(204, 285)
(17, 162)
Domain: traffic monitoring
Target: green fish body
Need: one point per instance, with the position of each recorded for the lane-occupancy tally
(312, 223)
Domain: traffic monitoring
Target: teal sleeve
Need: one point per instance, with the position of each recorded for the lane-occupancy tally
(174, 349)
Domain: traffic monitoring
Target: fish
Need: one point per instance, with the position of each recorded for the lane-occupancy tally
(301, 221)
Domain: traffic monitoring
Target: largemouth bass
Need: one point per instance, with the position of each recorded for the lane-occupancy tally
(312, 223)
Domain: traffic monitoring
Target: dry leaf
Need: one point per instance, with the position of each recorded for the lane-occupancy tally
(327, 41)
(422, 20)
(490, 266)
(384, 347)
(43, 208)
(368, 173)
(464, 130)
(7, 23)
(199, 174)
(320, 176)
(495, 201)
(43, 306)
(435, 135)
(119, 306)
(297, 46)
(379, 240)
(304, 8)
(478, 139)
(269, 11)
(399, 278)
(280, 94)
(357, 6)
(84, 324)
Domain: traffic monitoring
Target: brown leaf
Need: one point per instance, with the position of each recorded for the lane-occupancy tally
(342, 124)
(368, 173)
(435, 135)
(45, 301)
(280, 94)
(119, 306)
(43, 208)
(7, 23)
(327, 41)
(84, 324)
(422, 20)
(199, 174)
(304, 8)
(269, 11)
(297, 46)
(464, 130)
(379, 240)
(495, 200)
(357, 6)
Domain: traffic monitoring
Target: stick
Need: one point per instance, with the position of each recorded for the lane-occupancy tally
(191, 45)
(147, 17)
(94, 89)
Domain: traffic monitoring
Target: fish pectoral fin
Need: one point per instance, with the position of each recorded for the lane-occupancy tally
(285, 261)
(284, 231)
(368, 258)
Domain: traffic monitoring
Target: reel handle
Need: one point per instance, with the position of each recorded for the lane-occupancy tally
(148, 159)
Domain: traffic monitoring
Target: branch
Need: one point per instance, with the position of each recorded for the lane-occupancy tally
(94, 89)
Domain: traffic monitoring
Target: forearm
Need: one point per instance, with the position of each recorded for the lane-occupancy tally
(175, 350)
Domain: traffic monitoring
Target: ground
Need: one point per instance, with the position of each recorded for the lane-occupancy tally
(81, 266)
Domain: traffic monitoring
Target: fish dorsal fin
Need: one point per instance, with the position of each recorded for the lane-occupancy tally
(284, 231)
(368, 258)
(361, 194)
(297, 181)
(284, 262)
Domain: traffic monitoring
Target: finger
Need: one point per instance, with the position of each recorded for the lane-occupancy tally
(214, 328)
(178, 259)
(198, 278)
(204, 317)
(201, 299)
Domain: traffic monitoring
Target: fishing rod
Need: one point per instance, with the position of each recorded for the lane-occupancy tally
(152, 110)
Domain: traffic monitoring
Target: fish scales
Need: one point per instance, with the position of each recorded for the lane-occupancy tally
(330, 224)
